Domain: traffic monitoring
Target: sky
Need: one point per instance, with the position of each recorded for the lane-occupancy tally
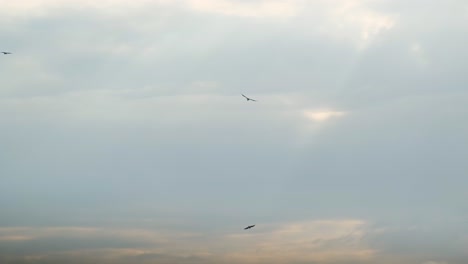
(125, 138)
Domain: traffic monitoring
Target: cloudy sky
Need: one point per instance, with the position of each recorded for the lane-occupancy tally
(124, 137)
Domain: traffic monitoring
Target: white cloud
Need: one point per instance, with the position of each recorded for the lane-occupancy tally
(259, 8)
(45, 4)
(270, 8)
(357, 21)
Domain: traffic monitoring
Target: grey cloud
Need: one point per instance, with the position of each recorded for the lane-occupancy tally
(135, 118)
(441, 241)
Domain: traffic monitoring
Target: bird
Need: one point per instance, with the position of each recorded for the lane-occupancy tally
(5, 52)
(250, 226)
(249, 99)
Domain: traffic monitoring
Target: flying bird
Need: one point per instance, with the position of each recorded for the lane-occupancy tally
(249, 99)
(250, 226)
(5, 52)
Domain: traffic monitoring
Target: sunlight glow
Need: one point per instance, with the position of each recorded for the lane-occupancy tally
(320, 116)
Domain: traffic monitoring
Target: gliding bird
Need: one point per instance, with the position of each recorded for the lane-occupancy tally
(249, 99)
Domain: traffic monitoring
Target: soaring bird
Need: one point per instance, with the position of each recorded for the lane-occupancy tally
(5, 52)
(250, 226)
(249, 99)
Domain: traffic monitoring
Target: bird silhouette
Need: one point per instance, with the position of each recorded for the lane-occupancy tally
(5, 52)
(250, 226)
(249, 99)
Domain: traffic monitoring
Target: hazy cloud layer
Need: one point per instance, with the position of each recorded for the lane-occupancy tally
(125, 139)
(336, 241)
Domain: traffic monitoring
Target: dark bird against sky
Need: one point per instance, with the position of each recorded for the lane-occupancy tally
(5, 52)
(250, 226)
(249, 99)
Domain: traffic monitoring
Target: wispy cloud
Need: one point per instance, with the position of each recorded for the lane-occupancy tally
(16, 238)
(359, 22)
(258, 8)
(331, 241)
(322, 241)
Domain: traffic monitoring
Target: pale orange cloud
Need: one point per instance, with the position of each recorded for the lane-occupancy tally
(325, 240)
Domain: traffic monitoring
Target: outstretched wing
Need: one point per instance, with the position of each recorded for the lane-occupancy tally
(249, 99)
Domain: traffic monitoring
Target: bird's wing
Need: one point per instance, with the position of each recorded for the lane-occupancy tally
(245, 96)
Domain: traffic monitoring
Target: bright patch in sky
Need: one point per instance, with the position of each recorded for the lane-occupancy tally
(323, 115)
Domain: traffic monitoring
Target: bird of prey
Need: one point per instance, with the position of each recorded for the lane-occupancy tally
(5, 52)
(249, 99)
(250, 226)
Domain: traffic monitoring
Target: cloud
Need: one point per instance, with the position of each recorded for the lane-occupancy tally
(314, 241)
(15, 238)
(333, 241)
(127, 234)
(257, 8)
(108, 106)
